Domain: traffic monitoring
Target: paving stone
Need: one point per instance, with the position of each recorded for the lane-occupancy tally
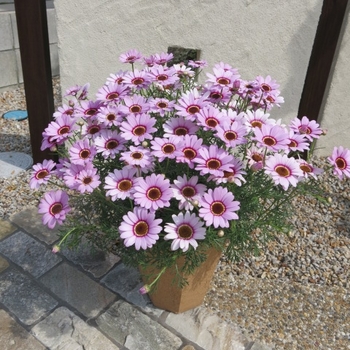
(126, 281)
(97, 262)
(15, 337)
(207, 330)
(23, 297)
(6, 228)
(135, 330)
(30, 220)
(77, 289)
(3, 264)
(28, 253)
(63, 330)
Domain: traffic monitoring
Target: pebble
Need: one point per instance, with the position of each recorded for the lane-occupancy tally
(294, 295)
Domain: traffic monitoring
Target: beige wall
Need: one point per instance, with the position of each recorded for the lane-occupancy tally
(259, 37)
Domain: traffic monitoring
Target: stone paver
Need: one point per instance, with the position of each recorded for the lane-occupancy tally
(23, 297)
(63, 330)
(30, 221)
(28, 253)
(3, 264)
(126, 281)
(15, 337)
(133, 329)
(91, 260)
(77, 289)
(207, 330)
(6, 228)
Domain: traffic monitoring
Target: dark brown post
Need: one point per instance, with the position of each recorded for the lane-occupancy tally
(35, 57)
(325, 44)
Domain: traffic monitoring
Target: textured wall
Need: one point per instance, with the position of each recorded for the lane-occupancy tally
(259, 37)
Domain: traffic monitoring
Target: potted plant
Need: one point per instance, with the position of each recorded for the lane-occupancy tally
(169, 174)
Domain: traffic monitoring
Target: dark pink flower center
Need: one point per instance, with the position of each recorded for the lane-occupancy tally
(138, 81)
(180, 131)
(213, 163)
(136, 155)
(231, 135)
(55, 208)
(63, 130)
(269, 141)
(212, 122)
(154, 193)
(90, 111)
(112, 144)
(139, 130)
(193, 109)
(162, 105)
(341, 163)
(110, 117)
(293, 143)
(168, 148)
(41, 174)
(189, 153)
(282, 170)
(87, 180)
(84, 153)
(188, 191)
(141, 229)
(112, 96)
(306, 168)
(94, 129)
(124, 185)
(135, 109)
(265, 87)
(217, 208)
(215, 95)
(185, 231)
(223, 81)
(162, 77)
(256, 124)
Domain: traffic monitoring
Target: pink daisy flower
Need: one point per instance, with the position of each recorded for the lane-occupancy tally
(117, 78)
(191, 103)
(153, 192)
(162, 58)
(210, 117)
(268, 85)
(256, 119)
(226, 67)
(179, 127)
(283, 170)
(87, 180)
(222, 77)
(70, 173)
(297, 142)
(54, 207)
(138, 156)
(63, 110)
(134, 105)
(109, 143)
(183, 71)
(109, 116)
(308, 169)
(218, 207)
(130, 56)
(60, 129)
(140, 228)
(81, 152)
(120, 183)
(340, 160)
(137, 79)
(163, 75)
(198, 63)
(309, 128)
(232, 134)
(235, 175)
(41, 173)
(218, 94)
(92, 128)
(213, 160)
(138, 128)
(186, 191)
(166, 148)
(190, 149)
(255, 155)
(273, 137)
(112, 92)
(87, 109)
(185, 231)
(161, 106)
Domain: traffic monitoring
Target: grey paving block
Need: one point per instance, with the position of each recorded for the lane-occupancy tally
(78, 290)
(135, 330)
(6, 35)
(30, 220)
(28, 253)
(8, 68)
(207, 330)
(126, 281)
(23, 297)
(91, 260)
(15, 337)
(63, 330)
(3, 264)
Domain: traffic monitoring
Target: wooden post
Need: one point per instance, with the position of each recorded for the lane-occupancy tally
(322, 55)
(35, 57)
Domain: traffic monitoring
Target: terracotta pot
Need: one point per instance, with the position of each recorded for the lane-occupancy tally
(169, 296)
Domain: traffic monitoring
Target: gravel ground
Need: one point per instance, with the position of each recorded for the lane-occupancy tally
(295, 295)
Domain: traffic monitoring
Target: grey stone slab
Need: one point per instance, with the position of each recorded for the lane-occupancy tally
(6, 35)
(3, 264)
(23, 297)
(30, 220)
(8, 68)
(126, 281)
(92, 260)
(135, 330)
(63, 330)
(12, 163)
(207, 330)
(15, 337)
(78, 290)
(28, 253)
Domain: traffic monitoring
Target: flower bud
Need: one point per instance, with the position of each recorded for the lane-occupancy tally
(195, 203)
(221, 233)
(55, 249)
(144, 289)
(144, 144)
(257, 166)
